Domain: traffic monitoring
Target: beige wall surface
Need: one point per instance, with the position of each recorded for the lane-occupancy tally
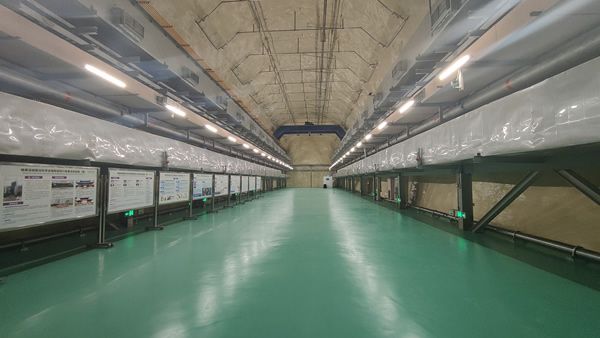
(310, 150)
(550, 209)
(306, 179)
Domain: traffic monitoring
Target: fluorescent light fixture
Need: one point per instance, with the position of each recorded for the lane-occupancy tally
(232, 139)
(211, 128)
(246, 145)
(105, 76)
(255, 150)
(382, 125)
(456, 65)
(574, 107)
(269, 157)
(405, 107)
(175, 110)
(263, 154)
(368, 137)
(352, 149)
(359, 144)
(348, 153)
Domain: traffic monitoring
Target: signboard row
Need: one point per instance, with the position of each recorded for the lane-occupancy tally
(38, 194)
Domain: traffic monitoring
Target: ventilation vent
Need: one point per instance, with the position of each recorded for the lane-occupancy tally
(127, 23)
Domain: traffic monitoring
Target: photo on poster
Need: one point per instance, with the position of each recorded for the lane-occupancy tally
(13, 191)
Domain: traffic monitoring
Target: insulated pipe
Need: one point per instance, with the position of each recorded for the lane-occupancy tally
(576, 52)
(34, 86)
(574, 251)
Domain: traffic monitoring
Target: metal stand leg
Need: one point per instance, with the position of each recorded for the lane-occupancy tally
(103, 185)
(156, 226)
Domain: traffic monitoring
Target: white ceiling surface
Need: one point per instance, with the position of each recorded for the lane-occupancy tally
(276, 54)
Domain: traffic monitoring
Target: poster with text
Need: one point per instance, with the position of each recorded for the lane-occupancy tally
(259, 183)
(244, 183)
(252, 183)
(235, 184)
(202, 186)
(173, 187)
(37, 194)
(130, 189)
(221, 185)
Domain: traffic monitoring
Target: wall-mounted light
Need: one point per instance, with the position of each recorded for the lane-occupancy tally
(405, 107)
(105, 76)
(175, 110)
(211, 128)
(456, 65)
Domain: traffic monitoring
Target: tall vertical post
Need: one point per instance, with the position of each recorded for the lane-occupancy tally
(212, 207)
(403, 191)
(228, 190)
(464, 183)
(373, 187)
(190, 215)
(155, 225)
(103, 195)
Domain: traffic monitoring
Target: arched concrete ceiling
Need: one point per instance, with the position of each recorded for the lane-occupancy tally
(292, 61)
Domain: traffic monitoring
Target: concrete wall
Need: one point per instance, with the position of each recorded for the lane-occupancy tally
(311, 158)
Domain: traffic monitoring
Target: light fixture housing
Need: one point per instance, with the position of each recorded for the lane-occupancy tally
(368, 137)
(232, 139)
(105, 76)
(256, 150)
(175, 110)
(455, 66)
(211, 128)
(359, 144)
(406, 106)
(246, 145)
(382, 125)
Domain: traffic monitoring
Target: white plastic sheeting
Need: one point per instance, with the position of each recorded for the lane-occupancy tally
(561, 111)
(31, 128)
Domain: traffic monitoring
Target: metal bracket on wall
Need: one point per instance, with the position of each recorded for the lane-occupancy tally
(512, 195)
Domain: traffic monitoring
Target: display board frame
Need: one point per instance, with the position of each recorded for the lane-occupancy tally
(152, 205)
(187, 189)
(62, 220)
(212, 192)
(215, 185)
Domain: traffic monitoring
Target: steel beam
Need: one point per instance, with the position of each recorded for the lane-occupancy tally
(512, 195)
(581, 184)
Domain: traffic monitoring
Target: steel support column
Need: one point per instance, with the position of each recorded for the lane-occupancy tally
(506, 200)
(464, 186)
(403, 191)
(581, 184)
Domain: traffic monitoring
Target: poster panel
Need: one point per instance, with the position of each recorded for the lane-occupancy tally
(173, 187)
(221, 185)
(129, 189)
(36, 194)
(235, 184)
(244, 183)
(259, 183)
(252, 183)
(202, 186)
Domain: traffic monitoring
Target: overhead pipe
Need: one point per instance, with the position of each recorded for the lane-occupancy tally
(66, 99)
(574, 251)
(576, 52)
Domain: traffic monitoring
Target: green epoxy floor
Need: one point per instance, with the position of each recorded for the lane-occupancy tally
(296, 263)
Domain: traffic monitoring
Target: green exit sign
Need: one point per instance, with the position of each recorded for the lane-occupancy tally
(461, 214)
(129, 213)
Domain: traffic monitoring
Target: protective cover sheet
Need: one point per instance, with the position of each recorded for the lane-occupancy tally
(37, 129)
(561, 111)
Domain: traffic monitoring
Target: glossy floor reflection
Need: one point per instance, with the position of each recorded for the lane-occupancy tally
(296, 263)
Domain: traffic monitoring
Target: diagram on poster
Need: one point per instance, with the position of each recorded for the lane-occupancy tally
(259, 183)
(221, 185)
(244, 183)
(173, 187)
(130, 189)
(235, 184)
(202, 186)
(37, 194)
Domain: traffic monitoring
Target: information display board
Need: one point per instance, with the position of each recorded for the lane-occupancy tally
(252, 183)
(259, 183)
(129, 189)
(173, 187)
(202, 186)
(235, 184)
(37, 194)
(244, 183)
(221, 185)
